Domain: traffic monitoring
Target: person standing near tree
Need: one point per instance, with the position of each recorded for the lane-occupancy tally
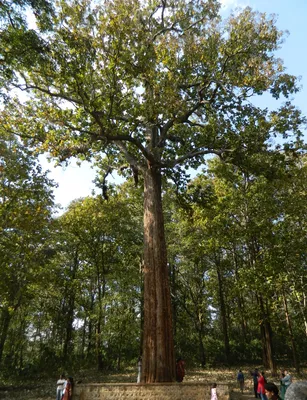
(282, 390)
(240, 379)
(261, 383)
(67, 395)
(255, 375)
(60, 387)
(286, 380)
(180, 372)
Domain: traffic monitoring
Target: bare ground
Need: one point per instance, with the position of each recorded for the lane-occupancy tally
(44, 389)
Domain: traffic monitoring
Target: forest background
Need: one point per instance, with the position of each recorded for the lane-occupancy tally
(72, 285)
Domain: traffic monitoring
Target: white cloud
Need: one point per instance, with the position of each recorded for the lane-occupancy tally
(228, 5)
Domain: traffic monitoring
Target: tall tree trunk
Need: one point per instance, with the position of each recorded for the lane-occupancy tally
(68, 343)
(69, 311)
(266, 332)
(142, 308)
(5, 323)
(240, 299)
(302, 309)
(202, 350)
(158, 363)
(223, 311)
(173, 279)
(294, 352)
(90, 326)
(83, 338)
(101, 293)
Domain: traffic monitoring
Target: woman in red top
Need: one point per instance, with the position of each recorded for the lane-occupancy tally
(68, 389)
(261, 389)
(180, 372)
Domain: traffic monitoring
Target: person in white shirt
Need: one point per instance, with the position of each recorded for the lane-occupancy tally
(60, 387)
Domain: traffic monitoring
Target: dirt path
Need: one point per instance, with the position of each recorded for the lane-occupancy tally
(246, 395)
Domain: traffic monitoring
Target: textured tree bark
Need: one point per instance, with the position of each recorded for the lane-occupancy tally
(266, 332)
(69, 309)
(294, 352)
(158, 364)
(4, 324)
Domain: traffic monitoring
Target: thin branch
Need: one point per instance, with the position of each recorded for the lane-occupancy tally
(168, 29)
(191, 154)
(194, 23)
(63, 96)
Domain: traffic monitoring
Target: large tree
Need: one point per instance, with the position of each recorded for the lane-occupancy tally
(154, 86)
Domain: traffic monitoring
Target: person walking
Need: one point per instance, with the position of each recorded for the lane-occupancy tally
(213, 392)
(240, 379)
(260, 388)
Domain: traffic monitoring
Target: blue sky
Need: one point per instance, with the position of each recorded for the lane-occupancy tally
(74, 182)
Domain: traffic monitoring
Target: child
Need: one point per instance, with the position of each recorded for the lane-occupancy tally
(213, 392)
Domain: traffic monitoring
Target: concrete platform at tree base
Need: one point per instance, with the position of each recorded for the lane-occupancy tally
(155, 391)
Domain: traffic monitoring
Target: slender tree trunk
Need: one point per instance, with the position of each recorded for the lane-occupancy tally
(243, 320)
(202, 349)
(68, 343)
(240, 300)
(266, 332)
(223, 311)
(83, 338)
(173, 279)
(158, 363)
(101, 292)
(90, 327)
(294, 352)
(302, 310)
(142, 308)
(69, 327)
(5, 323)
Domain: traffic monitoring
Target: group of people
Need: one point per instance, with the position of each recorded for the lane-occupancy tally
(262, 389)
(270, 389)
(64, 388)
(261, 385)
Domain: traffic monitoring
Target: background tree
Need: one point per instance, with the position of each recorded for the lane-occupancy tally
(26, 203)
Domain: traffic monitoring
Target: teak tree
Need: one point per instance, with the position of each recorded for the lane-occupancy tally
(154, 86)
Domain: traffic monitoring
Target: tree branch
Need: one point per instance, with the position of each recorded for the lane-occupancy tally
(191, 154)
(63, 96)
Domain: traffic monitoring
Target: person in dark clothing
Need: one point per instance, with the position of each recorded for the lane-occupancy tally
(180, 372)
(255, 375)
(271, 391)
